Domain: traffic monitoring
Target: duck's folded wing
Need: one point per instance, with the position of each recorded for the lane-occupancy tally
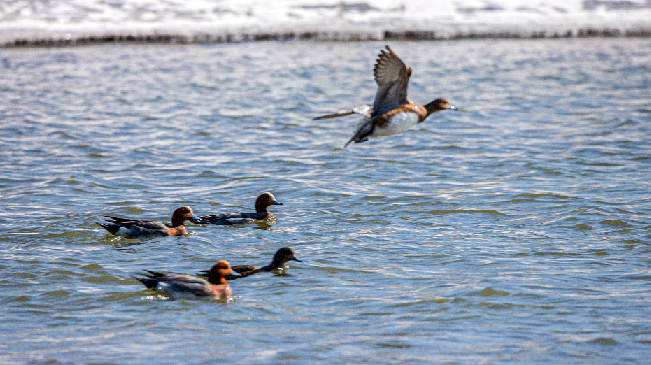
(152, 225)
(146, 228)
(125, 222)
(392, 78)
(121, 221)
(244, 274)
(223, 219)
(243, 268)
(185, 285)
(364, 110)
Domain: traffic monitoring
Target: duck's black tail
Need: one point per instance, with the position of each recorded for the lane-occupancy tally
(149, 282)
(112, 228)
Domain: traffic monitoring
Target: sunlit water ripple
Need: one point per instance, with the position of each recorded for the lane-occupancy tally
(513, 230)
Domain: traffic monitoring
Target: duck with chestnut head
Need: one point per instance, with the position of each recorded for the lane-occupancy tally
(186, 286)
(135, 228)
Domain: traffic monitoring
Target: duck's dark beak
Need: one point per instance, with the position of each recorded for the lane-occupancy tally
(296, 259)
(196, 220)
(276, 202)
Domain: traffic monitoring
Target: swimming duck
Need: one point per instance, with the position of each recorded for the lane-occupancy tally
(186, 286)
(391, 112)
(264, 200)
(277, 265)
(131, 228)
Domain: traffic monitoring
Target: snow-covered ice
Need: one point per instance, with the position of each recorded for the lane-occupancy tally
(214, 20)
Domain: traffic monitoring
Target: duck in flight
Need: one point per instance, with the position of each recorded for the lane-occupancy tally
(391, 112)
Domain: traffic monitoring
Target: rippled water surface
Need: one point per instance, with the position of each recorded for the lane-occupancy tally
(515, 230)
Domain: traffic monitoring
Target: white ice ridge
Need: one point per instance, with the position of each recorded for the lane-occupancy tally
(244, 20)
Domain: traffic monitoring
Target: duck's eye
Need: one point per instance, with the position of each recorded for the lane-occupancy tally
(223, 267)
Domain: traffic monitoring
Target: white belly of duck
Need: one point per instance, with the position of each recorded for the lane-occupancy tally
(397, 124)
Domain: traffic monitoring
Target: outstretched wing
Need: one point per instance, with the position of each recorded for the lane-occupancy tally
(392, 78)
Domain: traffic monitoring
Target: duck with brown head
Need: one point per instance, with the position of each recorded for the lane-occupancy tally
(132, 228)
(262, 203)
(391, 112)
(186, 286)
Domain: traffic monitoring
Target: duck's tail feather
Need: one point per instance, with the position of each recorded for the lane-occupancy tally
(364, 130)
(112, 228)
(149, 282)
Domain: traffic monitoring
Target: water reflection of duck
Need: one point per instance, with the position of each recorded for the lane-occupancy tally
(186, 286)
(132, 228)
(391, 112)
(261, 204)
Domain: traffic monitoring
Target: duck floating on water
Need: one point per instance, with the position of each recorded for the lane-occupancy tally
(277, 265)
(186, 286)
(132, 228)
(264, 201)
(391, 112)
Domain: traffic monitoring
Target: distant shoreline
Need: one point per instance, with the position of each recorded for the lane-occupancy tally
(155, 37)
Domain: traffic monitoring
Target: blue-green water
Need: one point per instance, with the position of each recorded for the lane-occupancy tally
(515, 230)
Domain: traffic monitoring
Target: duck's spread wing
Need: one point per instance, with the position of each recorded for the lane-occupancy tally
(392, 78)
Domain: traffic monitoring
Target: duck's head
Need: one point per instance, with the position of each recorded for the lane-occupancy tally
(181, 215)
(219, 271)
(285, 254)
(265, 200)
(438, 105)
